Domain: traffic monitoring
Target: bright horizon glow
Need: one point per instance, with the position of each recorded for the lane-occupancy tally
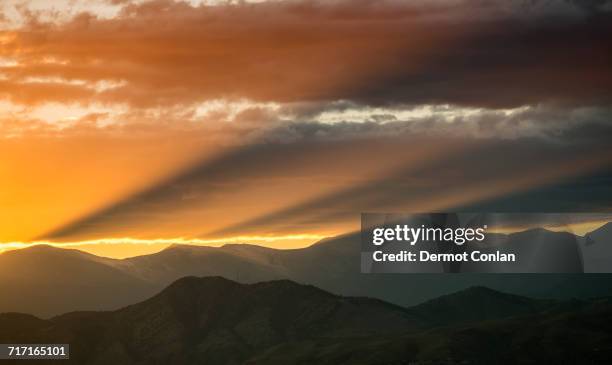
(104, 247)
(126, 247)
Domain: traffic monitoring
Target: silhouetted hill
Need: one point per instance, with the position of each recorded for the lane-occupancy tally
(478, 304)
(572, 333)
(216, 321)
(211, 320)
(47, 281)
(575, 332)
(244, 263)
(334, 265)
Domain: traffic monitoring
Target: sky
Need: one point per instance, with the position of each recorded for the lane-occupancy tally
(126, 126)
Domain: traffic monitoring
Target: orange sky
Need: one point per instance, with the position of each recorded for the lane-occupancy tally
(128, 125)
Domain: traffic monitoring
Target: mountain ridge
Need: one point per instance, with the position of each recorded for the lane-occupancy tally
(211, 319)
(214, 320)
(89, 282)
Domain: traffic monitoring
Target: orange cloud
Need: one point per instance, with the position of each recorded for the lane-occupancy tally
(163, 53)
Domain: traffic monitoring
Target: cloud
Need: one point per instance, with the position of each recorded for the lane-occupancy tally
(310, 111)
(164, 53)
(245, 167)
(584, 125)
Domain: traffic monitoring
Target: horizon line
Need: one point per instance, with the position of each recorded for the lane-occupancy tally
(222, 242)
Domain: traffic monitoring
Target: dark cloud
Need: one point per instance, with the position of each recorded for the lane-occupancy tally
(583, 125)
(485, 54)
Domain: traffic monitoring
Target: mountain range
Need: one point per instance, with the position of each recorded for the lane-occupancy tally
(46, 281)
(213, 320)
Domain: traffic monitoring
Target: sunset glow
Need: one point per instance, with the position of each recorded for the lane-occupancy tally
(279, 122)
(127, 247)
